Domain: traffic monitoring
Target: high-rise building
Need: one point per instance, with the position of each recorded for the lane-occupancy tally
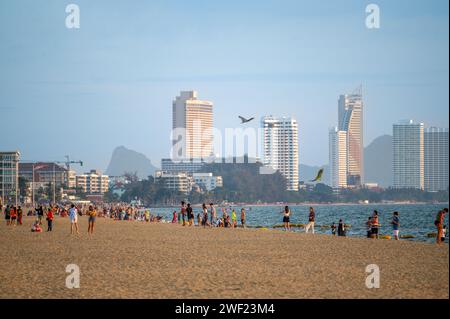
(350, 119)
(280, 147)
(338, 158)
(9, 177)
(194, 118)
(436, 159)
(408, 155)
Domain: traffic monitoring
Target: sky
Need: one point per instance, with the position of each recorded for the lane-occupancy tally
(83, 92)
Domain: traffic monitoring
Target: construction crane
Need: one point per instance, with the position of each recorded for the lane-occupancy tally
(68, 162)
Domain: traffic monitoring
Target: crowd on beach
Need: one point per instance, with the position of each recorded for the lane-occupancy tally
(207, 217)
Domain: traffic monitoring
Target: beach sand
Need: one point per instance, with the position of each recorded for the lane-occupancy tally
(126, 259)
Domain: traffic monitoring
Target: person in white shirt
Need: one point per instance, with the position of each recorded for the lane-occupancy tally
(73, 215)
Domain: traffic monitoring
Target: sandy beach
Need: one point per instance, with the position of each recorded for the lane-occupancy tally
(125, 259)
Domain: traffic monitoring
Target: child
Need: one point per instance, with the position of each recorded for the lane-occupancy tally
(174, 217)
(36, 228)
(333, 229)
(444, 231)
(199, 219)
(234, 218)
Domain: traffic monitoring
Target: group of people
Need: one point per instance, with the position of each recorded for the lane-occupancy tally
(13, 215)
(207, 217)
(372, 224)
(339, 229)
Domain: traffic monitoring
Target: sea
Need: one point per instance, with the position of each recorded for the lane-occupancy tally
(416, 220)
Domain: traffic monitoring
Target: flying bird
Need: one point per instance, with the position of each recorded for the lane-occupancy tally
(319, 175)
(244, 120)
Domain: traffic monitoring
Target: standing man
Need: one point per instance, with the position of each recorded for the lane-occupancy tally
(243, 217)
(395, 225)
(73, 215)
(439, 222)
(311, 220)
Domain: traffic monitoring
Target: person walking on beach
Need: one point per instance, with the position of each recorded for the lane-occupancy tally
(73, 216)
(92, 213)
(243, 217)
(341, 228)
(286, 218)
(439, 222)
(375, 224)
(311, 219)
(50, 219)
(395, 225)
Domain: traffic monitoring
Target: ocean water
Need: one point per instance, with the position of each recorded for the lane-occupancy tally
(415, 219)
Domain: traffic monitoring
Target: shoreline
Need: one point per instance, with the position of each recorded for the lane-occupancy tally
(306, 204)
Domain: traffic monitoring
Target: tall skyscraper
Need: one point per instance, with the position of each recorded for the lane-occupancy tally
(195, 118)
(280, 146)
(338, 158)
(350, 119)
(436, 159)
(408, 155)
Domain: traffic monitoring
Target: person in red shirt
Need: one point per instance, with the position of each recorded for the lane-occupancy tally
(50, 219)
(12, 216)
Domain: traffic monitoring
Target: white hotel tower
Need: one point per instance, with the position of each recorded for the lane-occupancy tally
(280, 146)
(338, 158)
(195, 118)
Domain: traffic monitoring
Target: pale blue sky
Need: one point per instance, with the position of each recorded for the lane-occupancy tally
(83, 92)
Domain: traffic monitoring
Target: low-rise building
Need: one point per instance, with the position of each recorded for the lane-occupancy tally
(207, 181)
(180, 182)
(93, 182)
